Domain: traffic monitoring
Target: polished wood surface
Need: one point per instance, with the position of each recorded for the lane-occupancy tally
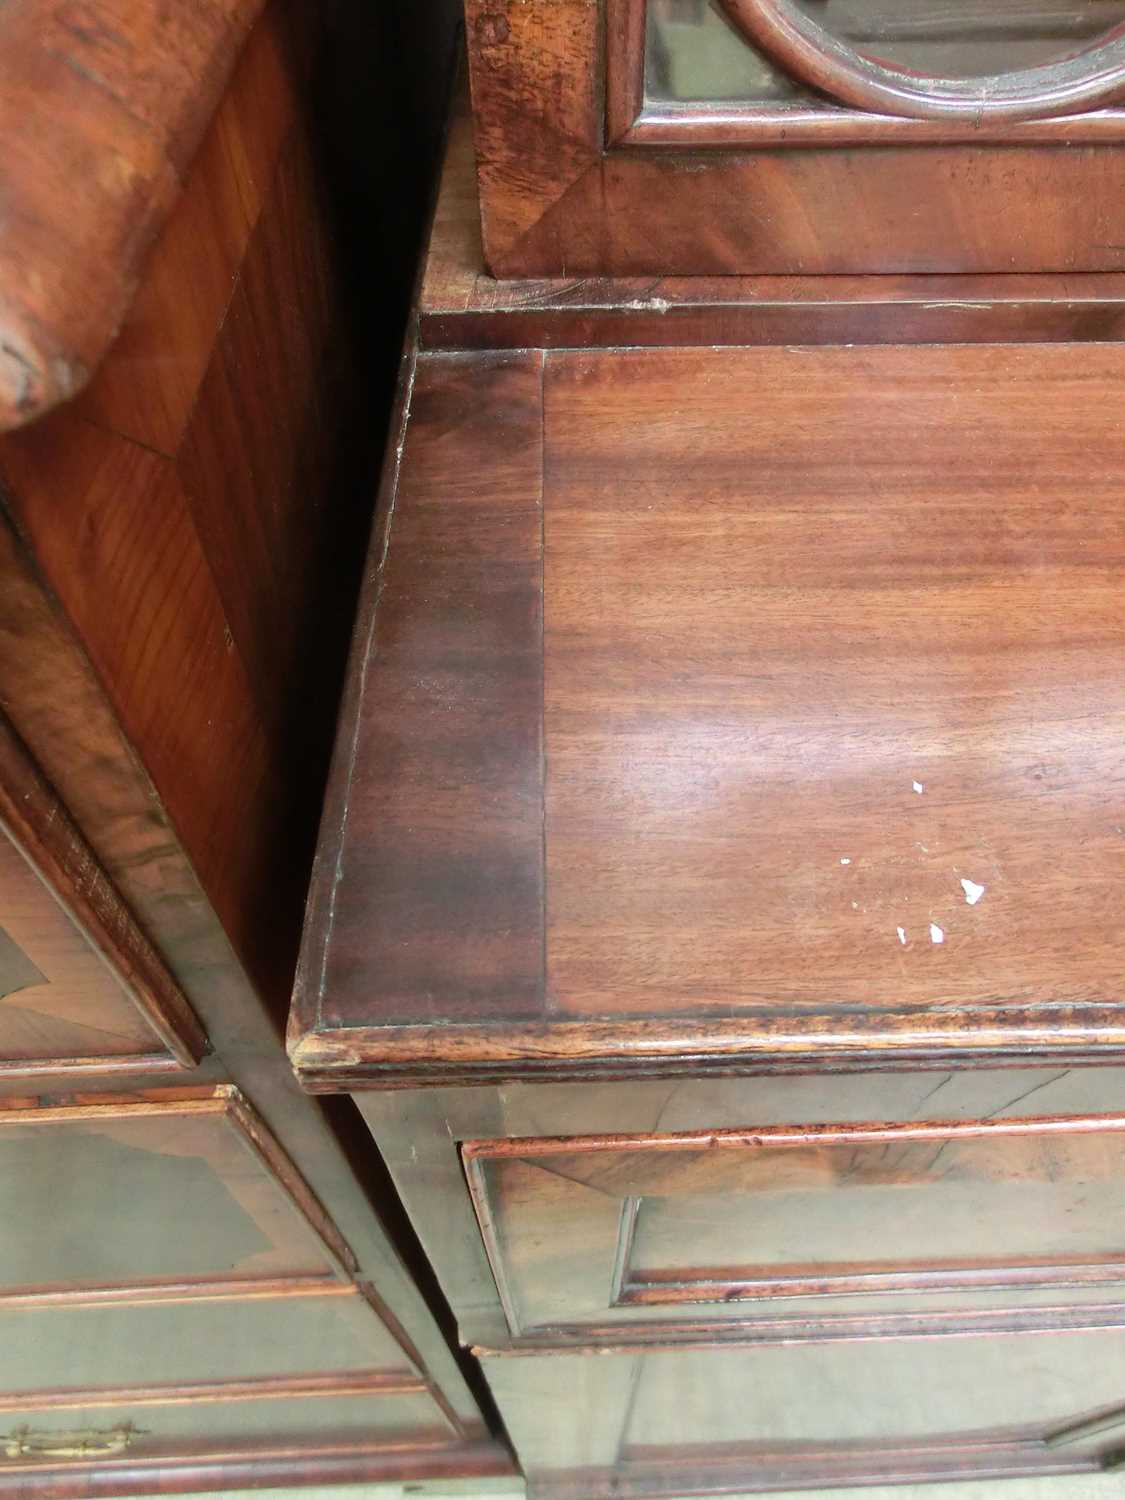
(180, 505)
(198, 1288)
(736, 742)
(830, 738)
(895, 197)
(459, 709)
(715, 910)
(102, 112)
(531, 80)
(461, 307)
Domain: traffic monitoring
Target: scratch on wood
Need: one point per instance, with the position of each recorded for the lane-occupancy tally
(1025, 1095)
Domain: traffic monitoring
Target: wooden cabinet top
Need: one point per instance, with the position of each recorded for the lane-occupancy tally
(742, 709)
(101, 109)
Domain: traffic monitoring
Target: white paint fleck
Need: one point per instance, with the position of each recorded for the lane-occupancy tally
(845, 861)
(925, 848)
(855, 906)
(919, 787)
(936, 934)
(901, 935)
(973, 892)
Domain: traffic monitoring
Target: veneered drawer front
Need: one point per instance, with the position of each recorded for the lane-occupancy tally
(796, 1223)
(92, 1346)
(1028, 1400)
(58, 1000)
(227, 1419)
(81, 987)
(153, 1194)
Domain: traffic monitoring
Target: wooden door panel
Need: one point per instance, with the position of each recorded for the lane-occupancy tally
(1031, 1402)
(781, 1222)
(187, 1192)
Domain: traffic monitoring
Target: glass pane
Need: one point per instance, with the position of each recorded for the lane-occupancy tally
(695, 55)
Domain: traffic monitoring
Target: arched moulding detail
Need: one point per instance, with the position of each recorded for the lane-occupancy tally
(1089, 79)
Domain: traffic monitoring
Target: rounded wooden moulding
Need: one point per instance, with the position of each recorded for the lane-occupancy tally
(1086, 80)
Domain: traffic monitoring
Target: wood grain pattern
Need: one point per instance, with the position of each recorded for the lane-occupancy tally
(103, 110)
(62, 1008)
(178, 550)
(462, 307)
(1040, 202)
(443, 799)
(92, 929)
(732, 816)
(60, 1353)
(968, 1383)
(110, 523)
(536, 109)
(147, 388)
(47, 681)
(653, 213)
(757, 1043)
(264, 493)
(757, 643)
(420, 1132)
(203, 558)
(818, 1224)
(231, 1206)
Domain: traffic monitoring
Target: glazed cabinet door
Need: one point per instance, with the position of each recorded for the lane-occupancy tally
(686, 137)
